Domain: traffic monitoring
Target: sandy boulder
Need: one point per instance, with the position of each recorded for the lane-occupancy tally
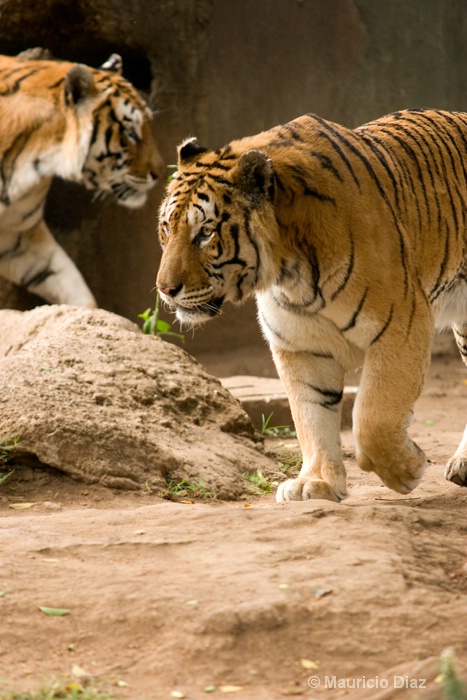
(87, 393)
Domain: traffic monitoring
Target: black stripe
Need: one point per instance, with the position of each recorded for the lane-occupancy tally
(36, 279)
(9, 159)
(349, 270)
(327, 164)
(400, 167)
(438, 140)
(217, 179)
(294, 131)
(10, 89)
(412, 316)
(234, 230)
(390, 131)
(301, 176)
(321, 355)
(433, 293)
(385, 327)
(271, 329)
(452, 123)
(249, 234)
(335, 146)
(331, 397)
(32, 211)
(217, 164)
(356, 313)
(368, 138)
(57, 84)
(369, 168)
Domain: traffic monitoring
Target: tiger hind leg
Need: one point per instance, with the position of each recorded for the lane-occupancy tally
(33, 259)
(456, 468)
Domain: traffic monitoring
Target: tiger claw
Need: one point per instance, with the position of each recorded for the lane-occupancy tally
(305, 488)
(456, 471)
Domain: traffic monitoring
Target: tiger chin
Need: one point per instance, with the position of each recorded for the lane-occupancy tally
(353, 242)
(82, 124)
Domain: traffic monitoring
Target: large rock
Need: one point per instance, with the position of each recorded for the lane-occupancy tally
(86, 392)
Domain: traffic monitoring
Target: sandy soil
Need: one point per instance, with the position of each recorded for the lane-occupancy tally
(261, 600)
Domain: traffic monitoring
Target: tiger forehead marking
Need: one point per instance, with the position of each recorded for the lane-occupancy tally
(354, 243)
(202, 211)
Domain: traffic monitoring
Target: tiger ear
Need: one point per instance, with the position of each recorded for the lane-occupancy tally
(114, 64)
(254, 174)
(79, 84)
(189, 149)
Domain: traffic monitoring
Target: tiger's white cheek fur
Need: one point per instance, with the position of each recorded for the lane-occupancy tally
(200, 214)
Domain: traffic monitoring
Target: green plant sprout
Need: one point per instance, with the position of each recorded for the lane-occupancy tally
(190, 489)
(453, 687)
(275, 430)
(59, 690)
(174, 167)
(258, 484)
(153, 325)
(289, 463)
(6, 447)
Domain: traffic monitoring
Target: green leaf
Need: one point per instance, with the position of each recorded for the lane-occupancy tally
(162, 326)
(54, 612)
(4, 477)
(2, 594)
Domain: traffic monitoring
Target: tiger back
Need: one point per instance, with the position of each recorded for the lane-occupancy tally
(354, 243)
(78, 123)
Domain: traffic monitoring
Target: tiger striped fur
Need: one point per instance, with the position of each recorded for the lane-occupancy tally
(354, 243)
(81, 124)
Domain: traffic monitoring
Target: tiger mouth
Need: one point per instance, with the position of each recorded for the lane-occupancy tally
(207, 309)
(130, 197)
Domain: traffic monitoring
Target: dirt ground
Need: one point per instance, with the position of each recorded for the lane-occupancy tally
(251, 599)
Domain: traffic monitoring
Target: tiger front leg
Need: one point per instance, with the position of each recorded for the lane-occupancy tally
(392, 379)
(314, 385)
(456, 468)
(33, 259)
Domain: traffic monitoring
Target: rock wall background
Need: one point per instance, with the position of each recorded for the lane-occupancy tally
(220, 70)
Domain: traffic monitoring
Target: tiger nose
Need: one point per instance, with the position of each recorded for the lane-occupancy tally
(170, 291)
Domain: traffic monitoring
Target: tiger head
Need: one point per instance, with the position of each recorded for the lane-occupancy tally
(216, 227)
(122, 157)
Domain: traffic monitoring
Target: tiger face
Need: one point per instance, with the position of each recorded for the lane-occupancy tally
(123, 158)
(209, 230)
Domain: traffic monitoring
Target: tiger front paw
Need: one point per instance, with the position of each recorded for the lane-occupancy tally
(304, 488)
(456, 471)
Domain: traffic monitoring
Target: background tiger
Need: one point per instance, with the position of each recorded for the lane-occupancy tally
(354, 242)
(81, 124)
